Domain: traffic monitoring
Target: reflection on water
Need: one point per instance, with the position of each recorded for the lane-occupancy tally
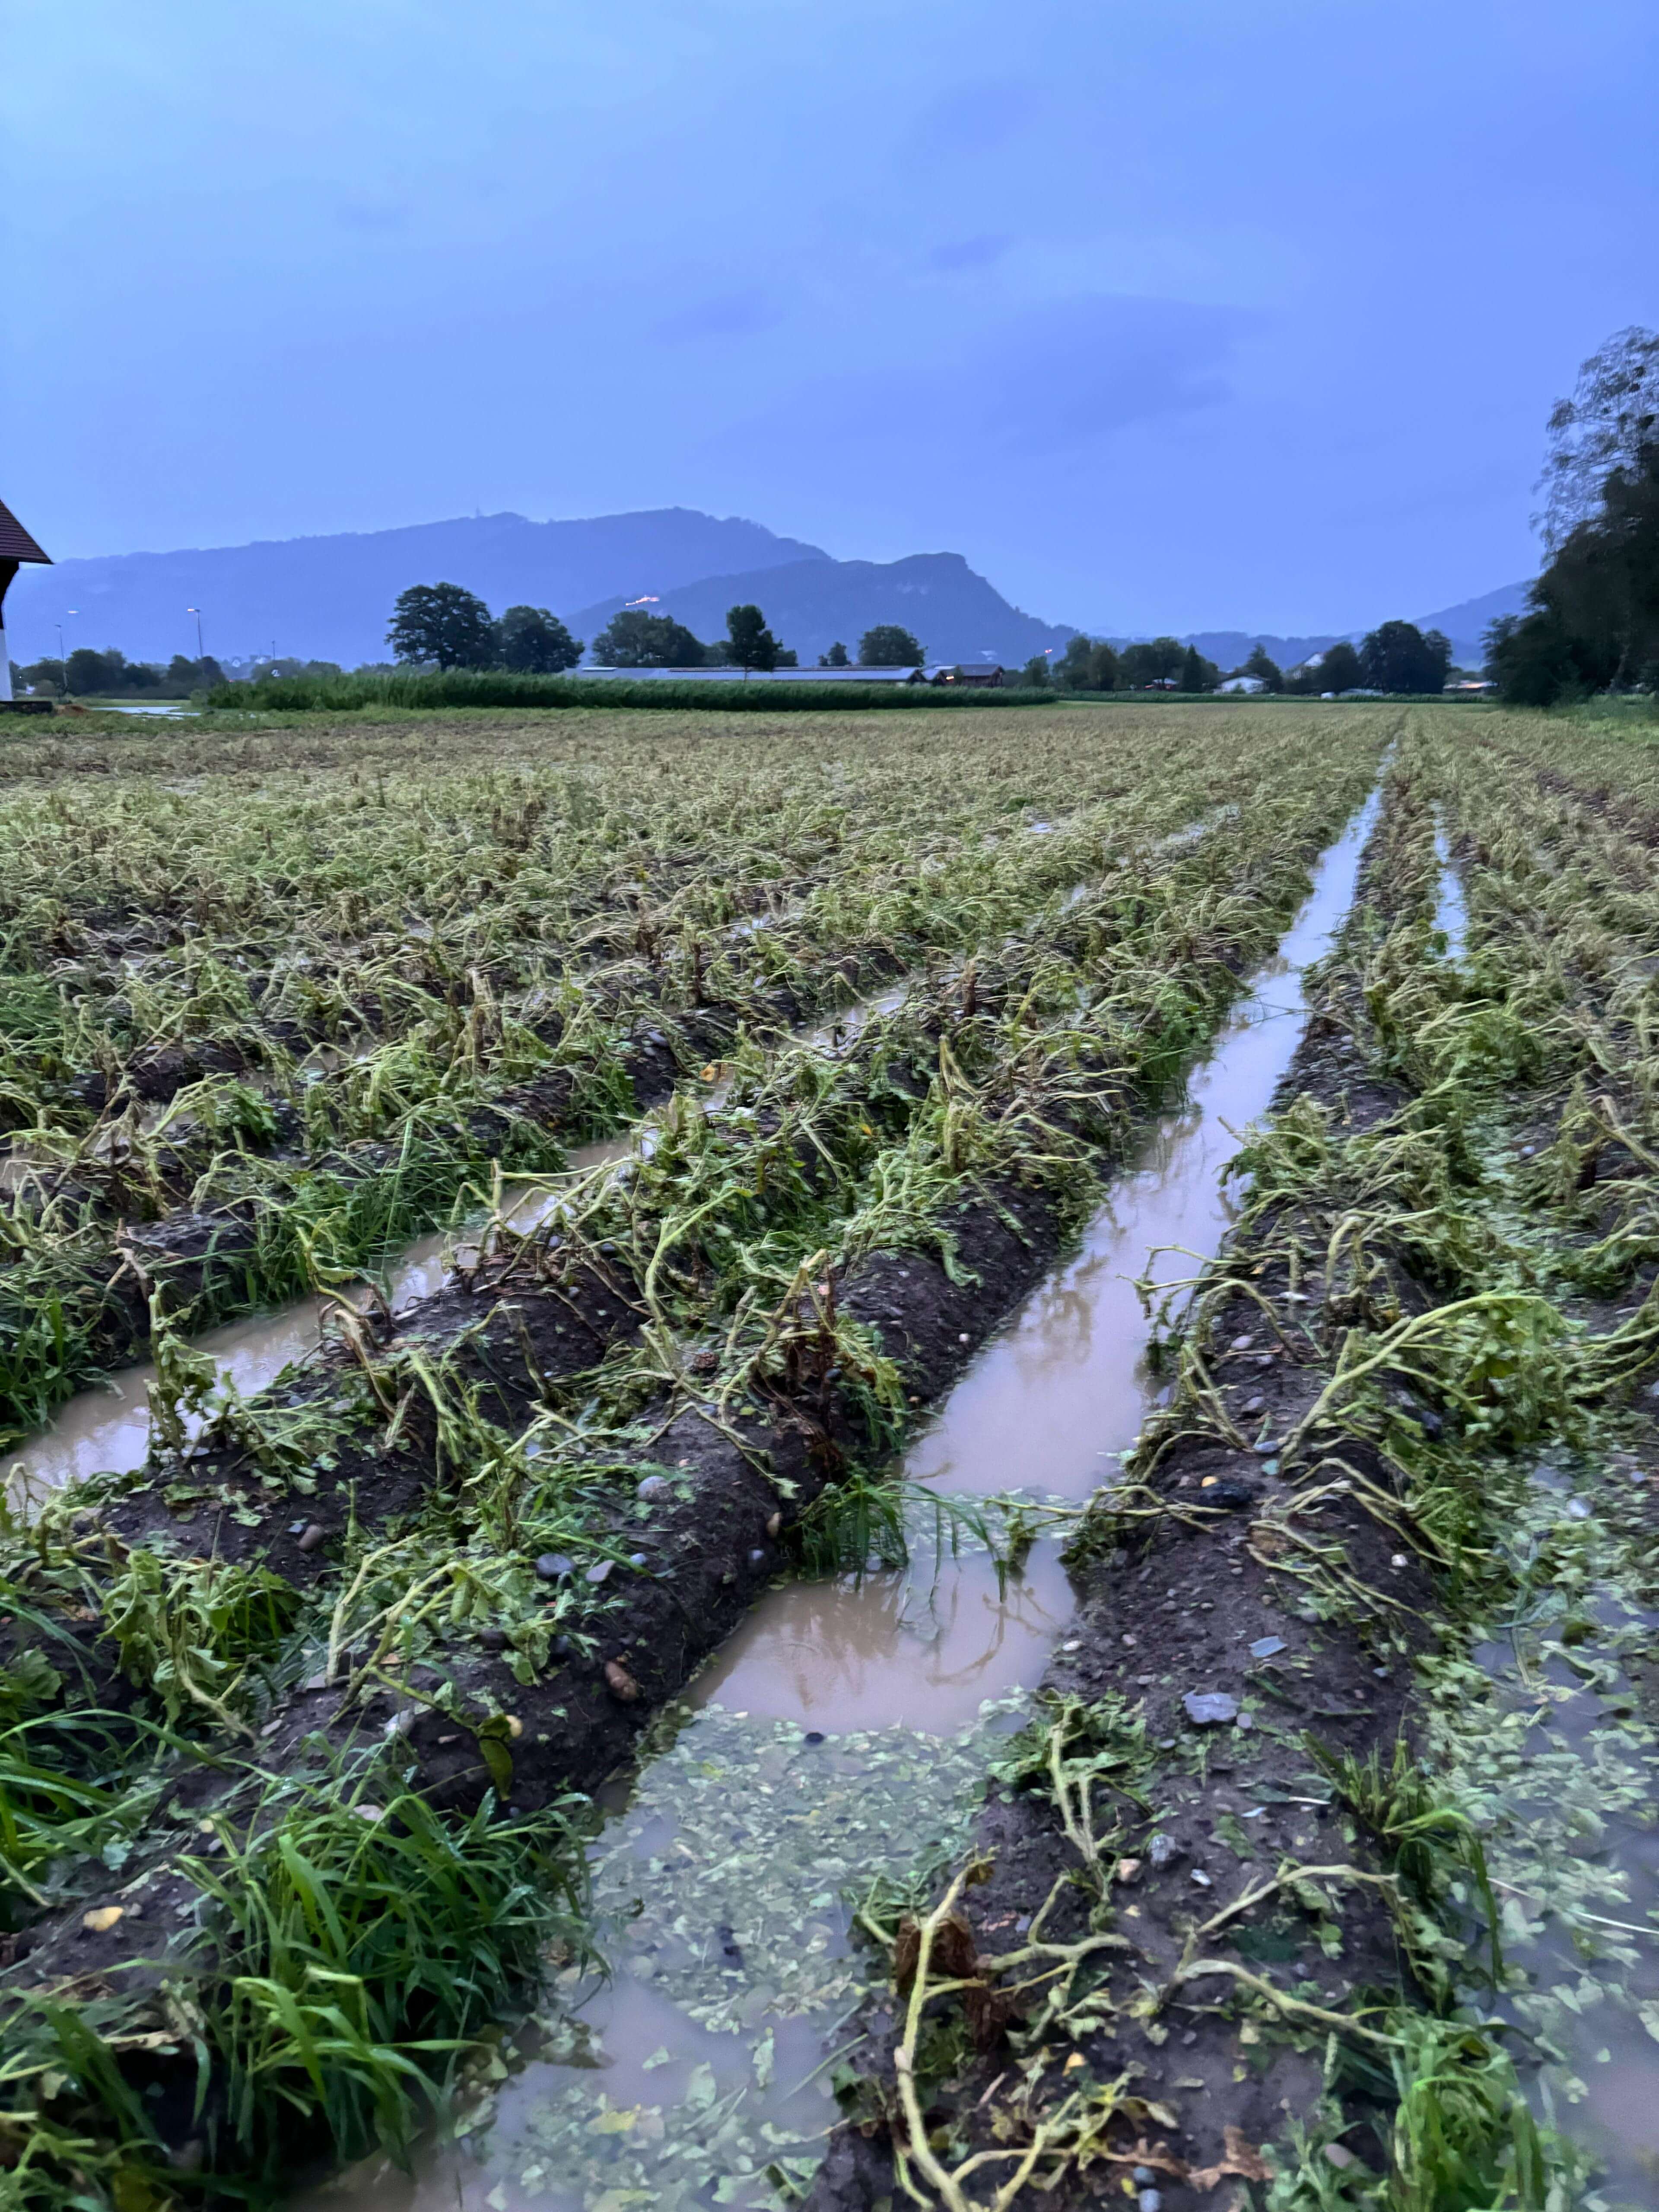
(920, 1650)
(1451, 913)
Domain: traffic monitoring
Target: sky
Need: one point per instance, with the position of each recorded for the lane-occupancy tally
(1166, 313)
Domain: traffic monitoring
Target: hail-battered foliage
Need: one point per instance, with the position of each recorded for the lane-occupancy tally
(436, 928)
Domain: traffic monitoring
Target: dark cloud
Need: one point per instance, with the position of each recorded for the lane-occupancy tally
(727, 315)
(969, 253)
(1040, 381)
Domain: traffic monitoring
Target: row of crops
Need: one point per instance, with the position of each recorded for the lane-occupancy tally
(302, 1720)
(1324, 1870)
(259, 1026)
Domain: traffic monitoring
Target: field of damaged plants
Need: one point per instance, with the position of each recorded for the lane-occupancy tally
(305, 1708)
(758, 1081)
(1323, 1874)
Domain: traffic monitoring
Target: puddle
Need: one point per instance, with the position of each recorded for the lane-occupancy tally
(845, 1726)
(1451, 913)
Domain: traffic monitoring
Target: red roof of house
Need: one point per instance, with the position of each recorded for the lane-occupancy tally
(15, 543)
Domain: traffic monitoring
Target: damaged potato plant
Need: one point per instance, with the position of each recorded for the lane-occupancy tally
(1262, 1896)
(426, 1586)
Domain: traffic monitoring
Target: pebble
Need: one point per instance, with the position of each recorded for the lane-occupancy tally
(757, 1558)
(962, 1337)
(312, 1536)
(1577, 1510)
(1254, 1405)
(1242, 1344)
(1267, 1445)
(638, 1560)
(653, 1487)
(554, 1567)
(493, 1639)
(1143, 2177)
(1202, 1880)
(1339, 2156)
(1150, 2200)
(1265, 1646)
(1163, 1851)
(600, 1570)
(773, 1524)
(1210, 1708)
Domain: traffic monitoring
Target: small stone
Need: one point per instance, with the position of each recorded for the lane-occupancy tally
(1129, 1644)
(1201, 1879)
(1265, 1646)
(600, 1571)
(1339, 2156)
(554, 1567)
(1150, 2200)
(1577, 1510)
(1400, 1560)
(1210, 1708)
(1163, 1851)
(296, 1527)
(1242, 1344)
(101, 1919)
(962, 1337)
(1265, 1449)
(653, 1487)
(759, 1557)
(1254, 1405)
(775, 1525)
(312, 1536)
(639, 1561)
(493, 1639)
(1143, 2177)
(620, 1682)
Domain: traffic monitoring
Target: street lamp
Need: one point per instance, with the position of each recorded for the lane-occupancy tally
(63, 658)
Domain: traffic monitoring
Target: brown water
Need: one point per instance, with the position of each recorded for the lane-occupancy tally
(844, 1729)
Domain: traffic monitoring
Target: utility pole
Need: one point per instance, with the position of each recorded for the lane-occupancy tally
(201, 651)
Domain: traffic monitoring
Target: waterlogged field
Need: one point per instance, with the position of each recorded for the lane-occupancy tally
(759, 1074)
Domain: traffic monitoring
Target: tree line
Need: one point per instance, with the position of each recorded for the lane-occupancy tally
(446, 626)
(87, 673)
(1593, 618)
(1396, 656)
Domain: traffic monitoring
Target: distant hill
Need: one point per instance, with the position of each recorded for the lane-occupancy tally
(1228, 647)
(330, 598)
(1465, 624)
(954, 614)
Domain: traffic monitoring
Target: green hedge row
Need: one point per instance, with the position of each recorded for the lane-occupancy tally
(485, 687)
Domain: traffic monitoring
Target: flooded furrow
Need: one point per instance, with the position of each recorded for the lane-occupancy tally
(846, 1729)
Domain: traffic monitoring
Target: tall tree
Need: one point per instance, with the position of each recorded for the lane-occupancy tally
(1197, 673)
(1261, 664)
(1611, 418)
(1034, 676)
(442, 623)
(1396, 656)
(751, 644)
(836, 658)
(1151, 660)
(538, 642)
(636, 639)
(889, 646)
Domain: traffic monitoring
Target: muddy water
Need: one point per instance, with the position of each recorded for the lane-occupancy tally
(845, 1728)
(1451, 913)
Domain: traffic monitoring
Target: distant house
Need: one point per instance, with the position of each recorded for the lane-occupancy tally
(16, 547)
(1246, 684)
(980, 676)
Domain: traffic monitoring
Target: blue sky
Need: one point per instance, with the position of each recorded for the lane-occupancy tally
(1165, 312)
